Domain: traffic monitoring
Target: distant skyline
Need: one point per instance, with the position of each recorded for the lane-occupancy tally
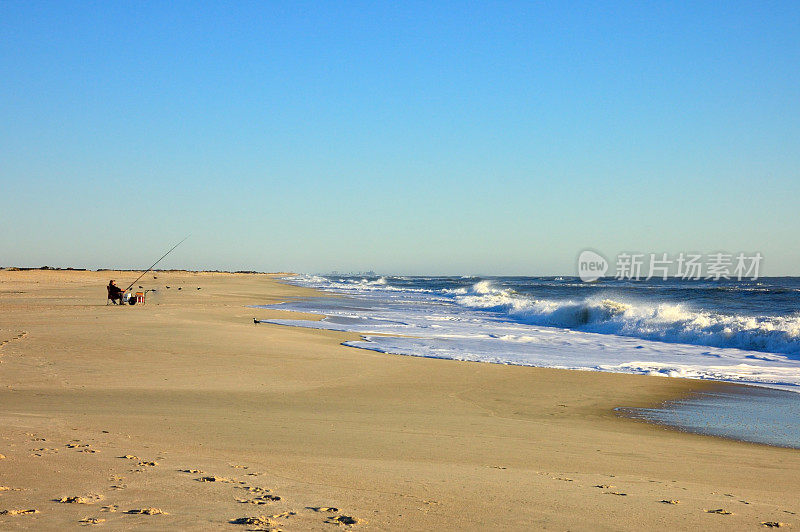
(412, 138)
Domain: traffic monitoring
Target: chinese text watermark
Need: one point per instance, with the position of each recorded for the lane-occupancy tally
(686, 266)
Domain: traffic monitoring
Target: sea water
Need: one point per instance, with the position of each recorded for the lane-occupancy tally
(736, 331)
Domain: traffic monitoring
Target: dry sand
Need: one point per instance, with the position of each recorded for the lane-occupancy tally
(183, 414)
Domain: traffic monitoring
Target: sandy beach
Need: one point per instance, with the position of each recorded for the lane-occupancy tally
(184, 414)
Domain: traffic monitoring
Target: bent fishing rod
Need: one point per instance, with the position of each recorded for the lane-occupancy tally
(156, 262)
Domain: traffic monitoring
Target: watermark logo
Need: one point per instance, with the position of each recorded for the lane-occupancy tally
(686, 266)
(591, 266)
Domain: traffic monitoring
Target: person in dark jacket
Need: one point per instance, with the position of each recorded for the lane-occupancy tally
(114, 292)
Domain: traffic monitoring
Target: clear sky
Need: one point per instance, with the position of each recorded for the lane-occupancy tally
(408, 137)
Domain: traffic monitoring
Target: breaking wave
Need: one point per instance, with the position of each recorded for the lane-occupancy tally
(663, 322)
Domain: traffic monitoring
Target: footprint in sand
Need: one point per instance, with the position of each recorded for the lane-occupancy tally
(670, 501)
(110, 508)
(565, 479)
(258, 521)
(88, 499)
(19, 512)
(619, 493)
(255, 489)
(92, 521)
(2, 457)
(322, 509)
(147, 511)
(147, 463)
(261, 499)
(720, 511)
(346, 520)
(773, 524)
(8, 488)
(193, 471)
(603, 486)
(212, 478)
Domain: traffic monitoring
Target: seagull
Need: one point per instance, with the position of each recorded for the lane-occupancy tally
(255, 321)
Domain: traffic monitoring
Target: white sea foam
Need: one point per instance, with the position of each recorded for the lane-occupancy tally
(489, 324)
(661, 322)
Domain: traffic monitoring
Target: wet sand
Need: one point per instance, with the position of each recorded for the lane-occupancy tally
(182, 413)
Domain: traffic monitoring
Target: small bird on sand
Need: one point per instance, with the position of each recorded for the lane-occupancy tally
(255, 321)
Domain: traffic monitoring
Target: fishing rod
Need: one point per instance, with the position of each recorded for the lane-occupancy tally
(156, 262)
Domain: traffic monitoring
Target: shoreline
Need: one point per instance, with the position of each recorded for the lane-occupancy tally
(396, 442)
(625, 412)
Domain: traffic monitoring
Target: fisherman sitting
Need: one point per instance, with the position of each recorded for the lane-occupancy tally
(114, 292)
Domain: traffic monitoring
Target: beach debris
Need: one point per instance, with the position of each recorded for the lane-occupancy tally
(343, 520)
(19, 512)
(92, 520)
(670, 501)
(720, 511)
(147, 511)
(773, 524)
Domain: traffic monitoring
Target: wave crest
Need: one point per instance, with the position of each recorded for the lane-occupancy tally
(662, 322)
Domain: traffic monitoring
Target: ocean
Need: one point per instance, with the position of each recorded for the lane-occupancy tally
(735, 331)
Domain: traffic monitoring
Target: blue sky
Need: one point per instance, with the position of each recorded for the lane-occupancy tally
(435, 137)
